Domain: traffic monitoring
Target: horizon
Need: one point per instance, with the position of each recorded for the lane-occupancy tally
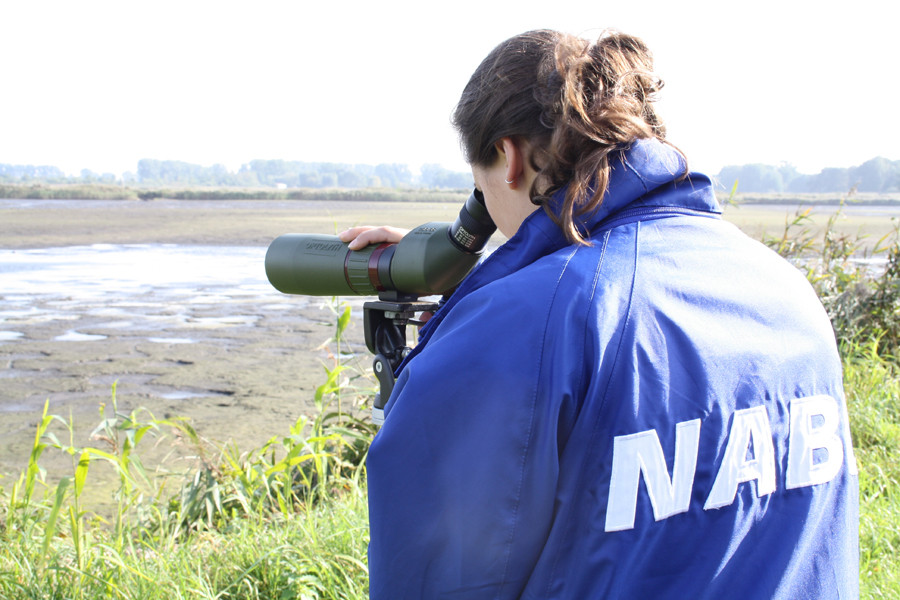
(415, 170)
(99, 86)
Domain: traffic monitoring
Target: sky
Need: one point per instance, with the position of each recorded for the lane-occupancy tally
(100, 85)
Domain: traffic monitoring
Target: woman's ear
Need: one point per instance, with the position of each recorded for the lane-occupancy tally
(511, 154)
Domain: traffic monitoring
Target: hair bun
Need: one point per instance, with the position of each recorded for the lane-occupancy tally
(575, 101)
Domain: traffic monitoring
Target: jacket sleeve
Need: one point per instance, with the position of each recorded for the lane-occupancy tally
(462, 475)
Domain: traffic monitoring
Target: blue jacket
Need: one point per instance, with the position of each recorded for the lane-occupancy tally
(657, 415)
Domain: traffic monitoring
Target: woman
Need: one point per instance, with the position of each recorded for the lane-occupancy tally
(629, 398)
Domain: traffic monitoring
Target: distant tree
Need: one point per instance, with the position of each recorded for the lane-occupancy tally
(245, 178)
(31, 172)
(753, 178)
(801, 184)
(394, 175)
(169, 172)
(831, 180)
(876, 175)
(148, 170)
(218, 174)
(309, 179)
(436, 176)
(327, 180)
(894, 184)
(788, 174)
(348, 178)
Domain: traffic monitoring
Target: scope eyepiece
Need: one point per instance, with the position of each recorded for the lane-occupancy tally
(430, 259)
(474, 226)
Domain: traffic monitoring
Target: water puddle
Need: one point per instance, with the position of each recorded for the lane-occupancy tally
(172, 340)
(145, 289)
(116, 271)
(225, 321)
(180, 395)
(74, 336)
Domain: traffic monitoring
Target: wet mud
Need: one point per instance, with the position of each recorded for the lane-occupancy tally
(242, 371)
(241, 362)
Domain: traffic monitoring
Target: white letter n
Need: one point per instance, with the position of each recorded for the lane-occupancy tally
(642, 453)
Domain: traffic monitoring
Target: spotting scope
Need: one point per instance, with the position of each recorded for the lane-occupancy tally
(431, 259)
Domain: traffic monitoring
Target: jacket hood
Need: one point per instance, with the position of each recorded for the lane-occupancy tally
(646, 175)
(646, 180)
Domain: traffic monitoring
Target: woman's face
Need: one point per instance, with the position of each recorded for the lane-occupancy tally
(508, 204)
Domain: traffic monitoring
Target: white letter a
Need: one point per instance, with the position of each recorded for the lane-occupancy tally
(747, 425)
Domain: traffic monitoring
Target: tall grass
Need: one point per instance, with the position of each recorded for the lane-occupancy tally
(288, 520)
(873, 389)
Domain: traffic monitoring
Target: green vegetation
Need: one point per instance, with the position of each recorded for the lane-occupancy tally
(872, 384)
(332, 194)
(77, 191)
(878, 175)
(66, 191)
(288, 520)
(177, 191)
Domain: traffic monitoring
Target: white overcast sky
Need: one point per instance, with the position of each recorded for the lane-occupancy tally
(100, 85)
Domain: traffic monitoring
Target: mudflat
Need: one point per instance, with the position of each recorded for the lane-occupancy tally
(52, 223)
(241, 366)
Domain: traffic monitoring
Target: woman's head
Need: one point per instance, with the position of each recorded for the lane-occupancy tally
(571, 102)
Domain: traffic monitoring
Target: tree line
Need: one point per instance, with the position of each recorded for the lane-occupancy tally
(256, 173)
(878, 175)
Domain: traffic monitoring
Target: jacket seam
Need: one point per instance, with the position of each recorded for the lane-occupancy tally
(531, 426)
(594, 433)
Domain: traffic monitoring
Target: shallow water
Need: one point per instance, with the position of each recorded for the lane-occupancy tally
(194, 331)
(106, 270)
(122, 281)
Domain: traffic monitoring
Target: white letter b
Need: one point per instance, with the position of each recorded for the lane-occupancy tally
(807, 436)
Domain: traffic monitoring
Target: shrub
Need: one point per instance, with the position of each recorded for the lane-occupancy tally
(862, 298)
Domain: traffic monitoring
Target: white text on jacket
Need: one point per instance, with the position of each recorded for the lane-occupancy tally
(815, 454)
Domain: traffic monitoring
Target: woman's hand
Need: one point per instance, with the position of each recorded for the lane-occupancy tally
(360, 237)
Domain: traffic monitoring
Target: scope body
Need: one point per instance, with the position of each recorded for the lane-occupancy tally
(431, 259)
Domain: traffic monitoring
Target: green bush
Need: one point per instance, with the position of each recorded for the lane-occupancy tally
(862, 299)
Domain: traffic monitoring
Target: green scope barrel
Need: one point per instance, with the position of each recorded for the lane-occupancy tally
(430, 259)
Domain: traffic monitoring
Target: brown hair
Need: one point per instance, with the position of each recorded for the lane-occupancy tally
(574, 101)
